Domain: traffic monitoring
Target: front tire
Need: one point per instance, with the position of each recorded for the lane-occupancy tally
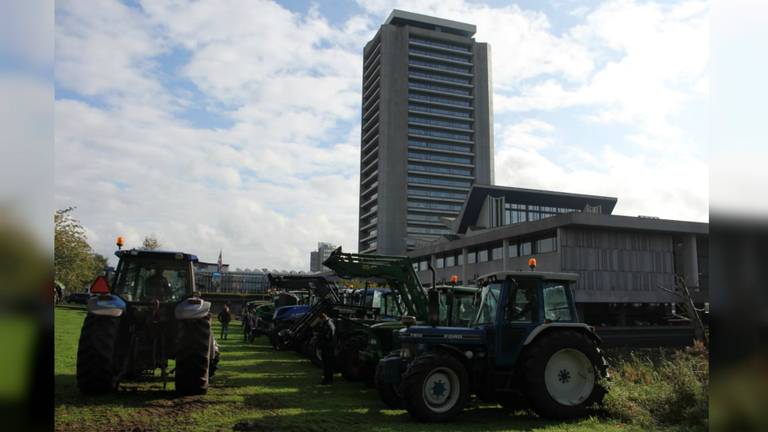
(96, 369)
(193, 356)
(562, 374)
(435, 387)
(389, 393)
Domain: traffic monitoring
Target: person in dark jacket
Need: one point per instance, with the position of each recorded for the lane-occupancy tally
(326, 341)
(224, 318)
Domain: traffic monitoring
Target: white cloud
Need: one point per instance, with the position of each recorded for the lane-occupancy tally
(26, 33)
(658, 57)
(522, 43)
(259, 189)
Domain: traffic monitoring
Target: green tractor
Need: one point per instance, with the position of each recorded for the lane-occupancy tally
(407, 299)
(525, 347)
(149, 315)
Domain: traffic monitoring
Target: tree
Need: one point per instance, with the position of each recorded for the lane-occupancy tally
(150, 243)
(75, 265)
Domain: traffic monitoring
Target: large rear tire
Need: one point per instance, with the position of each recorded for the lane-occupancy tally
(389, 393)
(96, 369)
(193, 351)
(435, 387)
(562, 372)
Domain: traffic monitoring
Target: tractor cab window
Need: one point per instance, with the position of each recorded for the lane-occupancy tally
(390, 305)
(464, 309)
(556, 306)
(376, 300)
(489, 304)
(522, 306)
(143, 280)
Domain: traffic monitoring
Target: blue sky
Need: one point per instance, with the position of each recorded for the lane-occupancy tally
(234, 124)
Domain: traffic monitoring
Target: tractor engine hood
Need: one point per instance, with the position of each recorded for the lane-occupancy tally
(442, 335)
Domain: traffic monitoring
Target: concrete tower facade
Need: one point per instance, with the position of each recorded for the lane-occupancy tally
(427, 134)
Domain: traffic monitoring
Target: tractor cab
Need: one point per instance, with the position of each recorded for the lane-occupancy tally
(149, 276)
(515, 304)
(146, 315)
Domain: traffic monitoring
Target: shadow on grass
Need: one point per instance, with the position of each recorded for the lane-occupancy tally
(374, 419)
(130, 395)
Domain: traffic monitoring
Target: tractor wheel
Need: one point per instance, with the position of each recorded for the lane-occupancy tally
(349, 355)
(96, 354)
(389, 393)
(435, 387)
(215, 356)
(193, 351)
(562, 374)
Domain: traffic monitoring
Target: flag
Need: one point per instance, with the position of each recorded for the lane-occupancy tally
(218, 263)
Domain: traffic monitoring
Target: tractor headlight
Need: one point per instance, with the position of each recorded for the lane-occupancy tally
(405, 353)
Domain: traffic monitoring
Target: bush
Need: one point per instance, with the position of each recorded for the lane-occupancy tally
(672, 390)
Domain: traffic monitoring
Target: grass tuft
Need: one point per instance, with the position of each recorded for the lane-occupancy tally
(671, 389)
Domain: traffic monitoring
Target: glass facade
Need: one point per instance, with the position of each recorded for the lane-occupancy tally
(516, 213)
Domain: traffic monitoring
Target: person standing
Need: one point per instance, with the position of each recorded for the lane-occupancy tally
(224, 318)
(327, 343)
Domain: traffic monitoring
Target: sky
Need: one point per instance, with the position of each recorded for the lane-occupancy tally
(234, 125)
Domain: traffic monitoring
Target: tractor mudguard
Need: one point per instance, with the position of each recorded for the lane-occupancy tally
(192, 308)
(393, 368)
(106, 305)
(588, 330)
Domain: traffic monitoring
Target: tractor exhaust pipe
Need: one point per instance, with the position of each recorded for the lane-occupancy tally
(433, 304)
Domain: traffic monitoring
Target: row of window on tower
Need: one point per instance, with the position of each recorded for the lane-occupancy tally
(439, 181)
(439, 157)
(440, 44)
(440, 134)
(440, 169)
(429, 121)
(414, 142)
(491, 252)
(465, 103)
(417, 107)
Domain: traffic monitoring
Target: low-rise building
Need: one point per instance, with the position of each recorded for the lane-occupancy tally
(625, 264)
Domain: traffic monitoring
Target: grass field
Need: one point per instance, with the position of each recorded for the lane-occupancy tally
(259, 389)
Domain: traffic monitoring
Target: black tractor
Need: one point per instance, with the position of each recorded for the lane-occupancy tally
(149, 315)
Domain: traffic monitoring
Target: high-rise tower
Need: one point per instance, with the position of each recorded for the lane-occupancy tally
(427, 132)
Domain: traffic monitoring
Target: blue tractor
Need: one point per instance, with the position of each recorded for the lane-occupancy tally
(147, 315)
(525, 347)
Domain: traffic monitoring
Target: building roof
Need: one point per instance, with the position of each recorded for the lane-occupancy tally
(476, 197)
(157, 253)
(409, 18)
